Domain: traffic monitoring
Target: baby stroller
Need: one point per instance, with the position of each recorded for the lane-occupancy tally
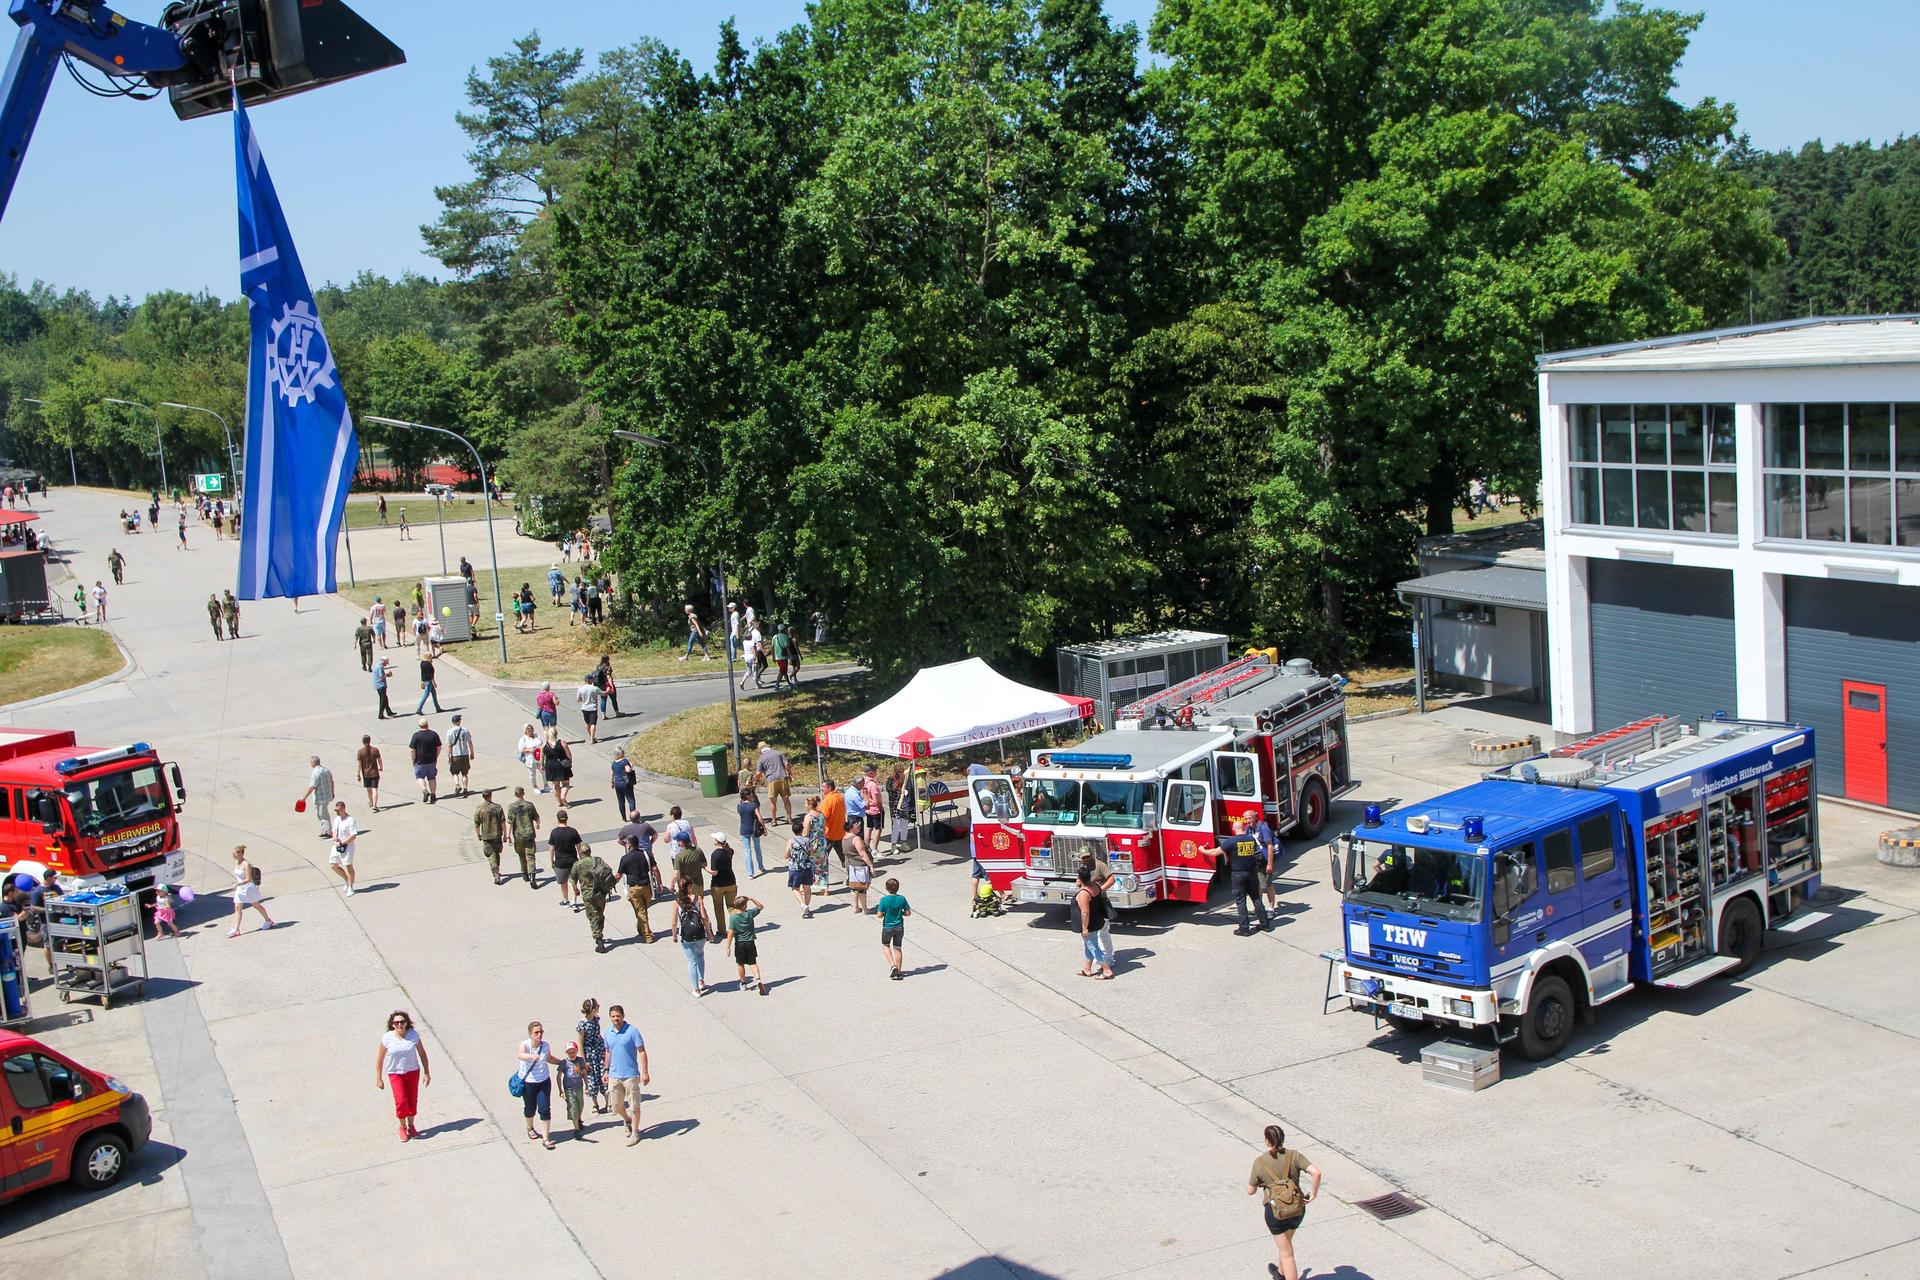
(986, 902)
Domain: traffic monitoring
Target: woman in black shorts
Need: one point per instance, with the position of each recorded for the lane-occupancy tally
(1277, 1174)
(558, 760)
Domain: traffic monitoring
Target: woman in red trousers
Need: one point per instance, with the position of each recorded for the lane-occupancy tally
(402, 1067)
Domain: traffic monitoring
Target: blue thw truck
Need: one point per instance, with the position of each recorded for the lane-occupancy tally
(1658, 853)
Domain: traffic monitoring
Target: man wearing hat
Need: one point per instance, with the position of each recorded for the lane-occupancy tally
(490, 829)
(459, 752)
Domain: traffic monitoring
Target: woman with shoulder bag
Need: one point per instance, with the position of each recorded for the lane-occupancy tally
(1277, 1173)
(537, 1060)
(556, 758)
(692, 930)
(246, 891)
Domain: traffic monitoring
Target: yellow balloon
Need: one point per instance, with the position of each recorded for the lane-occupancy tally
(446, 611)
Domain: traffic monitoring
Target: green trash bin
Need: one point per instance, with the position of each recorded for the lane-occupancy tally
(710, 768)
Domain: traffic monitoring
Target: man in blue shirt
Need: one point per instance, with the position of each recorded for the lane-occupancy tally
(380, 670)
(626, 1068)
(1269, 845)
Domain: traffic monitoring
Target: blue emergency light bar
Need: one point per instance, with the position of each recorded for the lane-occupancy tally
(74, 764)
(1090, 760)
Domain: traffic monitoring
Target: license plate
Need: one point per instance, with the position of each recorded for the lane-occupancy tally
(1032, 895)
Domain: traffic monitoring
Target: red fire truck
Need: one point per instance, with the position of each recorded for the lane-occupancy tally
(1251, 737)
(98, 816)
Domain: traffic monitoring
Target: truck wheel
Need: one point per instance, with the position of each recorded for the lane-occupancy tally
(99, 1161)
(1548, 1021)
(1313, 808)
(1741, 934)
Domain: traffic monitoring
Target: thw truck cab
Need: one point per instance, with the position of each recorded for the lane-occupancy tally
(1656, 854)
(101, 817)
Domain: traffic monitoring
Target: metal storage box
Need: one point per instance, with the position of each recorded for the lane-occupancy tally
(1116, 672)
(1466, 1067)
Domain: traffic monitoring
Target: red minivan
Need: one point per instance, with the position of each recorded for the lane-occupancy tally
(59, 1120)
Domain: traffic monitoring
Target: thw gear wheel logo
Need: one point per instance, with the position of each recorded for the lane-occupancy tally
(299, 362)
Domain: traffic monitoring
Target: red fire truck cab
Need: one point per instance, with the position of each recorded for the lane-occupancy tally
(99, 816)
(1249, 738)
(62, 1121)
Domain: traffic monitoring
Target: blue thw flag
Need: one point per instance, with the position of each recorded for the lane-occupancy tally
(301, 446)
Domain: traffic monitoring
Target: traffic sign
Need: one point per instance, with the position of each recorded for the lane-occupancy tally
(214, 483)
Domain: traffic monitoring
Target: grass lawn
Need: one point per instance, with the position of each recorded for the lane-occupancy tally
(1512, 513)
(36, 660)
(559, 652)
(364, 513)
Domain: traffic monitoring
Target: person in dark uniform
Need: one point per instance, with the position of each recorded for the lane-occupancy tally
(1243, 868)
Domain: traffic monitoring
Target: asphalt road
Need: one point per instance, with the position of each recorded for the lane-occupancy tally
(994, 1115)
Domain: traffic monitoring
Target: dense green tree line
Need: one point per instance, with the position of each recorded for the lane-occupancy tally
(976, 327)
(1849, 217)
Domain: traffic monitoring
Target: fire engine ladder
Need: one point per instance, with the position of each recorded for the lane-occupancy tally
(1205, 687)
(1606, 749)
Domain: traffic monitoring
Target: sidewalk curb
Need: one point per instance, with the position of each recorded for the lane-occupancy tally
(126, 666)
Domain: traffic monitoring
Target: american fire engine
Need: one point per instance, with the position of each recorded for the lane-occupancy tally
(1149, 796)
(100, 817)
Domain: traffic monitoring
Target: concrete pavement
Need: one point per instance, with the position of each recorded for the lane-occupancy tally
(993, 1115)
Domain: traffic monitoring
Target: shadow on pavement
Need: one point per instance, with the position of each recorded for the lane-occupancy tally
(670, 1128)
(144, 1168)
(448, 1126)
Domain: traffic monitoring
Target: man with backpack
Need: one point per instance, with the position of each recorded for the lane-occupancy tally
(593, 880)
(459, 753)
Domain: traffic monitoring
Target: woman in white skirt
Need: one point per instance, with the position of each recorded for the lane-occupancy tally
(246, 892)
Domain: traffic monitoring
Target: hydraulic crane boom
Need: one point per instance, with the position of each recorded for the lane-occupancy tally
(51, 30)
(201, 53)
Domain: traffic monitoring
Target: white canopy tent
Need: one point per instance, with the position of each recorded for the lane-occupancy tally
(946, 708)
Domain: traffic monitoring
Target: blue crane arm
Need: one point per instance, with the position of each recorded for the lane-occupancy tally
(52, 29)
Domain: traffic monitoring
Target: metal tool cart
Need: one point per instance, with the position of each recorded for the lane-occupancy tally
(94, 938)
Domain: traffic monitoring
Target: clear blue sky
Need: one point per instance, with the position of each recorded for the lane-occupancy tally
(119, 197)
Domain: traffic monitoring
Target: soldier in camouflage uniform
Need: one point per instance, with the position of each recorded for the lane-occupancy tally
(231, 609)
(593, 880)
(523, 820)
(490, 829)
(213, 616)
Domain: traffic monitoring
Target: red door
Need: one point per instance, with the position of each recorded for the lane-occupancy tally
(1863, 720)
(999, 843)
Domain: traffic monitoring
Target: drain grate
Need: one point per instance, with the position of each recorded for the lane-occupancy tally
(1394, 1204)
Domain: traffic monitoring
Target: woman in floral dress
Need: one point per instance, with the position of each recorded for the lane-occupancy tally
(593, 1050)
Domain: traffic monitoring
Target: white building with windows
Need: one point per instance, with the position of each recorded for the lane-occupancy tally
(1733, 524)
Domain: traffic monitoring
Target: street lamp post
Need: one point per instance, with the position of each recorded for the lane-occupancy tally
(73, 468)
(486, 490)
(726, 605)
(233, 454)
(160, 446)
(440, 519)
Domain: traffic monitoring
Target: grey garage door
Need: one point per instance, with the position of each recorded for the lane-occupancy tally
(1853, 673)
(1662, 641)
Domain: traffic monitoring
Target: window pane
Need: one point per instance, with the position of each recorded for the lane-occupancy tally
(1596, 847)
(1583, 433)
(24, 1081)
(1560, 873)
(1720, 426)
(1869, 427)
(1906, 497)
(1826, 437)
(1826, 509)
(1616, 433)
(1690, 501)
(1689, 438)
(1617, 489)
(1783, 435)
(1783, 507)
(1654, 512)
(1650, 434)
(1906, 426)
(1586, 495)
(1723, 492)
(1870, 514)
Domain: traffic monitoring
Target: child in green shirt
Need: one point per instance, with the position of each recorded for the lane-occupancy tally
(746, 951)
(893, 911)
